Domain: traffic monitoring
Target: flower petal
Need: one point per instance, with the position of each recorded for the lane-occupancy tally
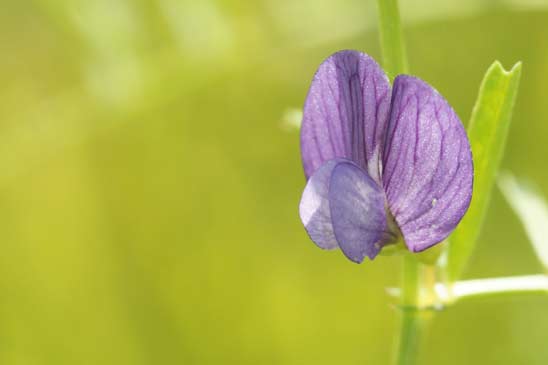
(314, 207)
(357, 211)
(427, 164)
(345, 113)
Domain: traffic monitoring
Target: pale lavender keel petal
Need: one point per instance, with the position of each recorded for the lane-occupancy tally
(314, 207)
(357, 211)
(427, 164)
(345, 113)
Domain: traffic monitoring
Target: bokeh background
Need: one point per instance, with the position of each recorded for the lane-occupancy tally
(150, 176)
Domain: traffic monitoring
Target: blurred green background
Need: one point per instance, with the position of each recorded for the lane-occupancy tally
(149, 185)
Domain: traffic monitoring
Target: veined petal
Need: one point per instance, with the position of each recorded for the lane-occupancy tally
(314, 207)
(427, 164)
(345, 113)
(357, 209)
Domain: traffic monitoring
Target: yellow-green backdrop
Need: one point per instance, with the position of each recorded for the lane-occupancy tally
(149, 183)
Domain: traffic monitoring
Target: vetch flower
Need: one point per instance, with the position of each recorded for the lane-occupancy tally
(382, 163)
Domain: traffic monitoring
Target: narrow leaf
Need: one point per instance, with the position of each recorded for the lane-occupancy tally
(531, 209)
(487, 131)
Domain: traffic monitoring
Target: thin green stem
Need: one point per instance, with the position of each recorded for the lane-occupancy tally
(392, 44)
(441, 294)
(413, 324)
(410, 281)
(506, 286)
(412, 319)
(395, 62)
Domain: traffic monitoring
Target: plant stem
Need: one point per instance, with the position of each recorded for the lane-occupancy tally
(443, 294)
(412, 320)
(410, 281)
(493, 287)
(392, 45)
(413, 324)
(395, 62)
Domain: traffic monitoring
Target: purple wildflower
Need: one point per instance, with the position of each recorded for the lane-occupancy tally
(381, 163)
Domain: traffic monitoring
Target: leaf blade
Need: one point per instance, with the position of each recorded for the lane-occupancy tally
(487, 131)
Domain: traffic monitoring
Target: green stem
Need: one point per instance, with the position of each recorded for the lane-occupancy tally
(410, 281)
(395, 62)
(412, 320)
(506, 286)
(392, 45)
(442, 294)
(413, 324)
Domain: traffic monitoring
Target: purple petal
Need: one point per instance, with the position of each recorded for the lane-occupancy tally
(314, 207)
(345, 113)
(357, 211)
(427, 164)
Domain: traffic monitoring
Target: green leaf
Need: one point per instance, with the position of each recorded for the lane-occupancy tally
(532, 211)
(487, 131)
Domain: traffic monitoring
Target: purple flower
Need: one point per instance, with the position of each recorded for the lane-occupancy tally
(381, 163)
